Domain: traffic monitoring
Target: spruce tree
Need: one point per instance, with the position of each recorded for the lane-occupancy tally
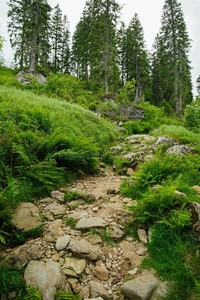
(173, 45)
(28, 27)
(94, 44)
(136, 58)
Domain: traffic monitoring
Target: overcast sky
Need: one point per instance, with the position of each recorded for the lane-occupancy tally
(149, 12)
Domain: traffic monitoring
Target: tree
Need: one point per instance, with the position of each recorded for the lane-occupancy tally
(2, 40)
(28, 27)
(198, 84)
(60, 41)
(94, 44)
(171, 64)
(136, 58)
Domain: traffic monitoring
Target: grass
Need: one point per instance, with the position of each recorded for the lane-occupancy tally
(43, 143)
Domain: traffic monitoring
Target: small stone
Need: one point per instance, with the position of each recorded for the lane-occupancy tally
(62, 242)
(90, 223)
(142, 236)
(129, 171)
(58, 196)
(101, 272)
(55, 257)
(78, 215)
(73, 266)
(75, 285)
(133, 272)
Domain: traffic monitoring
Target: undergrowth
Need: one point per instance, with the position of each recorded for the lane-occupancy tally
(174, 248)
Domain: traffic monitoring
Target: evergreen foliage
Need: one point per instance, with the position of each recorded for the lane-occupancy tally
(171, 66)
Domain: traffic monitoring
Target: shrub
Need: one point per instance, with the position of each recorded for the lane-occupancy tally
(192, 117)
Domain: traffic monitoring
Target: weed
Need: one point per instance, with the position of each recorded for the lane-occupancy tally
(107, 238)
(64, 295)
(71, 222)
(70, 196)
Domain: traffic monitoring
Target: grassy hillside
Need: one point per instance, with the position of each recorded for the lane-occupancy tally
(44, 142)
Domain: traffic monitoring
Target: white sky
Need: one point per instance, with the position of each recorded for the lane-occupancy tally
(149, 12)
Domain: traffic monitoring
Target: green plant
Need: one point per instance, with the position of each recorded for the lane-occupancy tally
(69, 196)
(11, 279)
(71, 222)
(29, 293)
(197, 290)
(64, 295)
(107, 238)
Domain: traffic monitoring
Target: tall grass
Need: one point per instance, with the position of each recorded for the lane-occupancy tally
(43, 142)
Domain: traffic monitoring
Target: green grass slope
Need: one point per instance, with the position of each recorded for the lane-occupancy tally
(42, 143)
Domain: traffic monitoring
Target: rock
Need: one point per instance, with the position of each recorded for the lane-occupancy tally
(62, 242)
(99, 298)
(93, 222)
(133, 272)
(131, 259)
(75, 285)
(114, 231)
(73, 266)
(129, 171)
(131, 157)
(97, 289)
(54, 231)
(196, 188)
(161, 291)
(59, 196)
(84, 249)
(115, 149)
(137, 138)
(47, 277)
(56, 209)
(75, 203)
(166, 140)
(26, 216)
(180, 150)
(141, 249)
(93, 239)
(46, 200)
(25, 253)
(55, 257)
(100, 272)
(140, 288)
(194, 209)
(178, 193)
(27, 77)
(142, 236)
(78, 215)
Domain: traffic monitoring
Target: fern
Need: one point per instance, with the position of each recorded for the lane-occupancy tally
(64, 295)
(197, 290)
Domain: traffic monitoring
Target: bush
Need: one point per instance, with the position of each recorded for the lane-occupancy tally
(192, 117)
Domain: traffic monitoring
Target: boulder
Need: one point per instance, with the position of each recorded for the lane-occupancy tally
(180, 150)
(62, 242)
(84, 249)
(73, 266)
(87, 223)
(26, 216)
(28, 77)
(47, 276)
(166, 140)
(97, 289)
(54, 231)
(25, 253)
(140, 288)
(114, 231)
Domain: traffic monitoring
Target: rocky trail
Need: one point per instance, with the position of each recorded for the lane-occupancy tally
(85, 248)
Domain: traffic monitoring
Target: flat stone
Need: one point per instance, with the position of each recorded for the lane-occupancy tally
(97, 289)
(56, 209)
(75, 203)
(62, 242)
(59, 196)
(93, 222)
(114, 231)
(54, 231)
(78, 215)
(73, 266)
(47, 276)
(26, 216)
(46, 200)
(140, 288)
(25, 253)
(84, 249)
(100, 272)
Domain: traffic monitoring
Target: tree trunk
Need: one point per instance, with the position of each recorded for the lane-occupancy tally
(34, 39)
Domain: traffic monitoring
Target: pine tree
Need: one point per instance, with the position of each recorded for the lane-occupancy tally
(65, 47)
(94, 44)
(198, 85)
(28, 27)
(173, 45)
(136, 58)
